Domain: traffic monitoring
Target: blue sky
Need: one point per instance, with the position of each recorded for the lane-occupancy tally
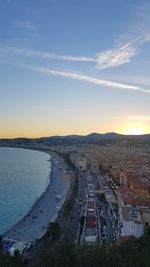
(72, 66)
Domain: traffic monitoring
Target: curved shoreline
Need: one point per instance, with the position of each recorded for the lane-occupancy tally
(47, 184)
(26, 234)
(30, 209)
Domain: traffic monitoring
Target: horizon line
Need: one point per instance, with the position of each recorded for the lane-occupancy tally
(82, 135)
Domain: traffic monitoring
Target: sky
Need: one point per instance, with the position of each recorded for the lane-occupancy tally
(74, 67)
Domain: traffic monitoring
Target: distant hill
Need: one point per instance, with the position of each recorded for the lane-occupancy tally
(92, 138)
(89, 136)
(98, 138)
(73, 136)
(103, 136)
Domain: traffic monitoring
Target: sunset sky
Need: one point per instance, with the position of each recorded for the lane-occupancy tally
(74, 67)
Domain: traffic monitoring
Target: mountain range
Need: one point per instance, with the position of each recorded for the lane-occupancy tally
(89, 136)
(98, 136)
(92, 137)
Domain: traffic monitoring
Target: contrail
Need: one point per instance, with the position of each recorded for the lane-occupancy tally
(89, 79)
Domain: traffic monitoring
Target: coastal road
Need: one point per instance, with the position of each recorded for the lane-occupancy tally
(72, 233)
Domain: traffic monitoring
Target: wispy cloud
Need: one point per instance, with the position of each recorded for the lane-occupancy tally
(89, 79)
(24, 24)
(137, 118)
(122, 54)
(45, 55)
(143, 80)
(76, 76)
(107, 59)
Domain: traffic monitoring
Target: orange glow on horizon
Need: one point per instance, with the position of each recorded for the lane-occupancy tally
(129, 128)
(135, 131)
(134, 128)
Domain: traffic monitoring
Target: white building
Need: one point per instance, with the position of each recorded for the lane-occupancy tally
(131, 222)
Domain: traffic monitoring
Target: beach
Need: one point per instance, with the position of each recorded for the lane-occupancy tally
(33, 226)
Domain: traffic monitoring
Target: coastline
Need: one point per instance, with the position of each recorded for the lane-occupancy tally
(33, 206)
(40, 195)
(45, 209)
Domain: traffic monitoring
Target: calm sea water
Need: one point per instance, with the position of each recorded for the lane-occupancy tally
(24, 176)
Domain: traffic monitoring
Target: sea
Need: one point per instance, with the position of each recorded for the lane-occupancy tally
(24, 176)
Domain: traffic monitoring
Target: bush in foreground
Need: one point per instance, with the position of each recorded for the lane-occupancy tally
(130, 253)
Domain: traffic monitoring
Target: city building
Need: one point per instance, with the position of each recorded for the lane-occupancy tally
(131, 223)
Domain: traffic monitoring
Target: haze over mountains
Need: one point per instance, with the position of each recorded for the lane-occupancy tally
(97, 138)
(90, 136)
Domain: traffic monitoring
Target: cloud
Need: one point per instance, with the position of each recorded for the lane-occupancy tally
(147, 37)
(46, 55)
(117, 56)
(122, 54)
(24, 24)
(89, 79)
(107, 59)
(138, 118)
(143, 80)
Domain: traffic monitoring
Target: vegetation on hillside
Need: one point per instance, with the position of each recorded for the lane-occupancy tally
(130, 253)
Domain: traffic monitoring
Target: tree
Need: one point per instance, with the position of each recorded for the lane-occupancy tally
(1, 245)
(54, 230)
(16, 253)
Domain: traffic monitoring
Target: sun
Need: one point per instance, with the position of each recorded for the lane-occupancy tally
(135, 131)
(134, 128)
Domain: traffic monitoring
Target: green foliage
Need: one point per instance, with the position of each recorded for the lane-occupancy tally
(1, 243)
(81, 224)
(7, 261)
(131, 253)
(53, 231)
(68, 207)
(70, 202)
(16, 253)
